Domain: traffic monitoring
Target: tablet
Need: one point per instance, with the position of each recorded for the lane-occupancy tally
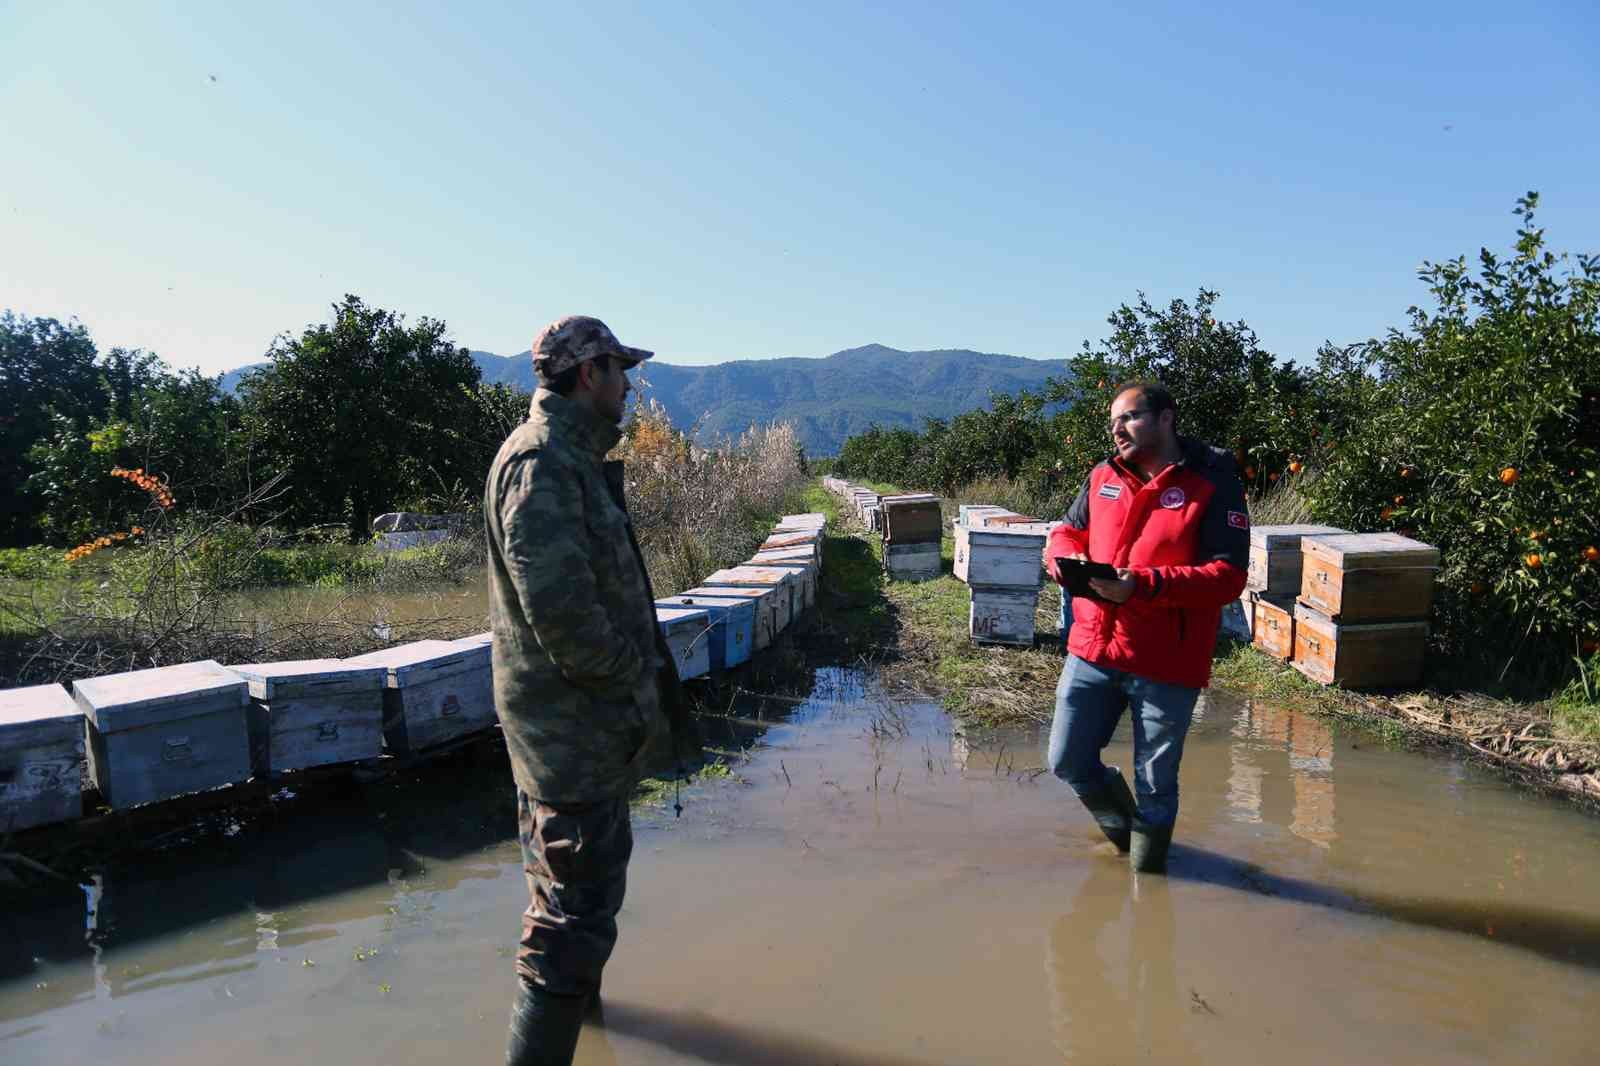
(1075, 575)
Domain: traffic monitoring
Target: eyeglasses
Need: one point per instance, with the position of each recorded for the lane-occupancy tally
(1126, 417)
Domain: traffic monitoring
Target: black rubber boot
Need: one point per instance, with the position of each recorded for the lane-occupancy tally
(544, 1027)
(1114, 809)
(1149, 852)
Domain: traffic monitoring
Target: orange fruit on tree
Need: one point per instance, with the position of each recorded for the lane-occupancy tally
(1591, 646)
(1295, 467)
(1405, 471)
(1534, 560)
(1477, 588)
(1508, 476)
(1398, 500)
(1272, 476)
(1249, 471)
(1591, 554)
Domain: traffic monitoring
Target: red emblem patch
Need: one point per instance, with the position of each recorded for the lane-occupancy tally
(1238, 520)
(1173, 498)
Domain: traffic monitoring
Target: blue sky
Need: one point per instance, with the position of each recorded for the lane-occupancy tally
(725, 181)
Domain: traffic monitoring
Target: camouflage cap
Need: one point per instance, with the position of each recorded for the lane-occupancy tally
(573, 339)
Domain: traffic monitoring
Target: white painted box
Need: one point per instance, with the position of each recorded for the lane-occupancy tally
(434, 691)
(763, 601)
(164, 732)
(688, 632)
(913, 562)
(779, 580)
(808, 540)
(313, 712)
(1002, 615)
(810, 519)
(804, 576)
(41, 757)
(999, 557)
(733, 625)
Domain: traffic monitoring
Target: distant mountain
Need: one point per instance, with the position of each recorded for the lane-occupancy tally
(827, 399)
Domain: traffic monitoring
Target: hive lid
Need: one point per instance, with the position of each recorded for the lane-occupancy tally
(405, 662)
(812, 519)
(1010, 537)
(36, 703)
(750, 575)
(729, 592)
(666, 615)
(1370, 551)
(162, 694)
(1287, 536)
(265, 678)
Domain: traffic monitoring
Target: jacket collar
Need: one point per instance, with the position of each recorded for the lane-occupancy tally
(585, 428)
(1191, 452)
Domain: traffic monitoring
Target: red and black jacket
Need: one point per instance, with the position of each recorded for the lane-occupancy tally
(1185, 535)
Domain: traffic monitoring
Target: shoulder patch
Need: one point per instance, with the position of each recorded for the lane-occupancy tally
(1110, 491)
(1238, 520)
(1173, 498)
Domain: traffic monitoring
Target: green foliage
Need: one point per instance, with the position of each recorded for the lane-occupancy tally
(366, 412)
(1484, 439)
(32, 564)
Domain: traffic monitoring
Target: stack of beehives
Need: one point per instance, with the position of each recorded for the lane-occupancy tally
(997, 553)
(912, 526)
(1342, 608)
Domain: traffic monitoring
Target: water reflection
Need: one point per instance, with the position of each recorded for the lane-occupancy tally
(1270, 741)
(1112, 972)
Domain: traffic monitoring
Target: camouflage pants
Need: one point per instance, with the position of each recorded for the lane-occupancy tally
(576, 861)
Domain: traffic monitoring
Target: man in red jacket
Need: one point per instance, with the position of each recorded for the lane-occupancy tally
(1168, 513)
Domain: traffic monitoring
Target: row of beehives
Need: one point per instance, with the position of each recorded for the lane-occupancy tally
(1340, 607)
(999, 555)
(153, 735)
(910, 523)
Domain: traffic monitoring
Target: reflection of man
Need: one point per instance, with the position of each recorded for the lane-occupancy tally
(1169, 513)
(580, 678)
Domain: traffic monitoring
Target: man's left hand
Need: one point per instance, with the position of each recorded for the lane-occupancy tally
(1117, 591)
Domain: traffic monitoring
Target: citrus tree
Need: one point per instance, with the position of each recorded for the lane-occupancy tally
(1483, 438)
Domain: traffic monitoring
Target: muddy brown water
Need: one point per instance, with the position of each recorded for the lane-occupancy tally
(872, 886)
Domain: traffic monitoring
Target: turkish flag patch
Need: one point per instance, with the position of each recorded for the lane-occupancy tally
(1238, 520)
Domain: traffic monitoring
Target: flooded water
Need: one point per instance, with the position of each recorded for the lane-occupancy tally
(397, 610)
(871, 886)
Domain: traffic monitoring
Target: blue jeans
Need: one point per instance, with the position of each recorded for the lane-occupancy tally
(1089, 702)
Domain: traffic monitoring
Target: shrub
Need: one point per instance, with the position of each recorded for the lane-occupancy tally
(1484, 440)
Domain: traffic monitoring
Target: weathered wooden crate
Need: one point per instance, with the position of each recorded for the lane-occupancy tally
(787, 605)
(1369, 655)
(913, 562)
(689, 634)
(313, 712)
(733, 625)
(968, 514)
(802, 572)
(765, 601)
(999, 557)
(912, 519)
(786, 557)
(809, 520)
(809, 539)
(1273, 631)
(1013, 521)
(41, 757)
(872, 517)
(1002, 615)
(159, 733)
(1368, 577)
(982, 518)
(434, 692)
(1275, 557)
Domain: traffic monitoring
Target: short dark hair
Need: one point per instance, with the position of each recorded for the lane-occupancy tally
(563, 383)
(1153, 395)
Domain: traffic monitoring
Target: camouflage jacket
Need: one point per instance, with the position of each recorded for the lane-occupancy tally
(575, 639)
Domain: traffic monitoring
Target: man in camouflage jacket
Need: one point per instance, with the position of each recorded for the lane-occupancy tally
(583, 683)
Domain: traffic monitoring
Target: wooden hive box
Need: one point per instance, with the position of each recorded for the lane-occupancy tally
(41, 757)
(1368, 577)
(1012, 521)
(872, 517)
(915, 562)
(1273, 628)
(970, 514)
(999, 558)
(809, 520)
(165, 732)
(809, 540)
(1275, 557)
(689, 635)
(912, 519)
(1369, 655)
(801, 556)
(1002, 615)
(764, 601)
(313, 712)
(781, 582)
(802, 571)
(434, 691)
(733, 625)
